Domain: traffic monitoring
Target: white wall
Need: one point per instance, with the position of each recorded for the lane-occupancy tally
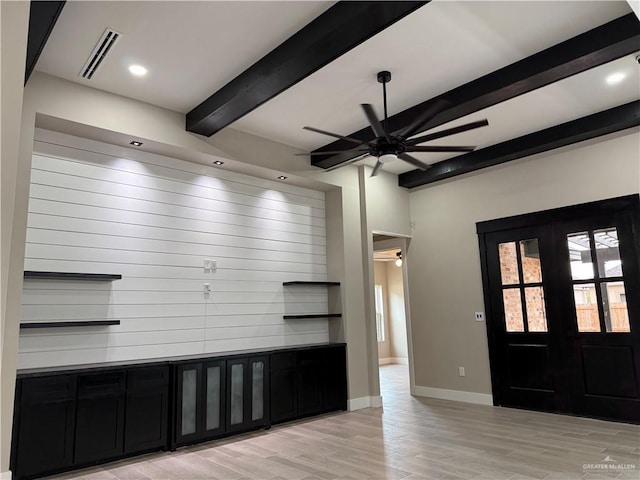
(444, 265)
(397, 315)
(154, 220)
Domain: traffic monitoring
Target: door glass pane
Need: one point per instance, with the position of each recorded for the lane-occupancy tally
(607, 253)
(580, 256)
(616, 298)
(189, 378)
(257, 390)
(508, 263)
(536, 313)
(237, 394)
(586, 307)
(513, 310)
(213, 398)
(530, 255)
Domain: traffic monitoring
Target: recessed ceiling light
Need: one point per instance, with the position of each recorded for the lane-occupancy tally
(138, 70)
(218, 162)
(615, 78)
(135, 143)
(282, 177)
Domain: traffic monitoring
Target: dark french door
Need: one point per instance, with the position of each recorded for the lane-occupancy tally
(562, 293)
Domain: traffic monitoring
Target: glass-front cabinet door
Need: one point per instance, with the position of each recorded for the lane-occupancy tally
(188, 402)
(213, 376)
(246, 393)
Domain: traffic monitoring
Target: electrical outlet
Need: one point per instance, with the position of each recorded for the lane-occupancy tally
(214, 264)
(479, 316)
(461, 371)
(207, 265)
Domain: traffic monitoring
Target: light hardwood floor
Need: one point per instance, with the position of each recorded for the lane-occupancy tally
(411, 438)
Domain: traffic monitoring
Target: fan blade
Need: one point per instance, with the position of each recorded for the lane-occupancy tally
(376, 126)
(348, 139)
(447, 132)
(376, 168)
(333, 152)
(414, 161)
(440, 149)
(422, 119)
(348, 162)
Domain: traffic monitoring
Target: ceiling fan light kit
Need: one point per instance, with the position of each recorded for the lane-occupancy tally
(388, 146)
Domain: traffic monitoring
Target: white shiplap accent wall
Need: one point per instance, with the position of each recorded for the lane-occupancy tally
(154, 220)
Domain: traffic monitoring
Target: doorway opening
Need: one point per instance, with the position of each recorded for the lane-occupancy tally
(389, 261)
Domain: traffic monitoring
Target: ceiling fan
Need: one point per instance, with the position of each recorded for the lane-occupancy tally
(388, 146)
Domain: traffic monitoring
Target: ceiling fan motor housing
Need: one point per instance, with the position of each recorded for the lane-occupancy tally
(382, 147)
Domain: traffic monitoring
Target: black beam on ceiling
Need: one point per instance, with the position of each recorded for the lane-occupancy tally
(42, 18)
(342, 27)
(596, 47)
(601, 123)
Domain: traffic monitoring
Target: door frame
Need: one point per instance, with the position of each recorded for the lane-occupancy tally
(401, 242)
(610, 206)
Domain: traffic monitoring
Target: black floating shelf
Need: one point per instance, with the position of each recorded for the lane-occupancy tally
(72, 276)
(84, 323)
(330, 284)
(314, 315)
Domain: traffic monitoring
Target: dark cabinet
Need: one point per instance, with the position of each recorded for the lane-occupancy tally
(307, 382)
(44, 439)
(334, 366)
(247, 382)
(147, 408)
(100, 417)
(200, 401)
(310, 385)
(284, 380)
(72, 419)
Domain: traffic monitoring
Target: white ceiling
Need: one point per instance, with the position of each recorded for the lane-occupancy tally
(194, 48)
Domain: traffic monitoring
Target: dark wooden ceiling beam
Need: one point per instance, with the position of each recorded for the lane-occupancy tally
(601, 123)
(42, 18)
(598, 46)
(342, 27)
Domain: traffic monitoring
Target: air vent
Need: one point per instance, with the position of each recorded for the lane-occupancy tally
(105, 44)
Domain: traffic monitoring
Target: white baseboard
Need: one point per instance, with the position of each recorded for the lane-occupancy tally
(395, 360)
(456, 395)
(5, 475)
(400, 360)
(364, 402)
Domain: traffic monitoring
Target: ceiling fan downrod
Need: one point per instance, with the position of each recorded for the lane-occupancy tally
(384, 77)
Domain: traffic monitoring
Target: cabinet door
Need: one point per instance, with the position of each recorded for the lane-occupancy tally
(188, 403)
(259, 384)
(283, 387)
(310, 382)
(147, 409)
(335, 378)
(214, 374)
(46, 413)
(100, 417)
(237, 392)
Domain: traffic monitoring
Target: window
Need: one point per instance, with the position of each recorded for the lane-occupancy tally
(379, 314)
(521, 275)
(598, 281)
